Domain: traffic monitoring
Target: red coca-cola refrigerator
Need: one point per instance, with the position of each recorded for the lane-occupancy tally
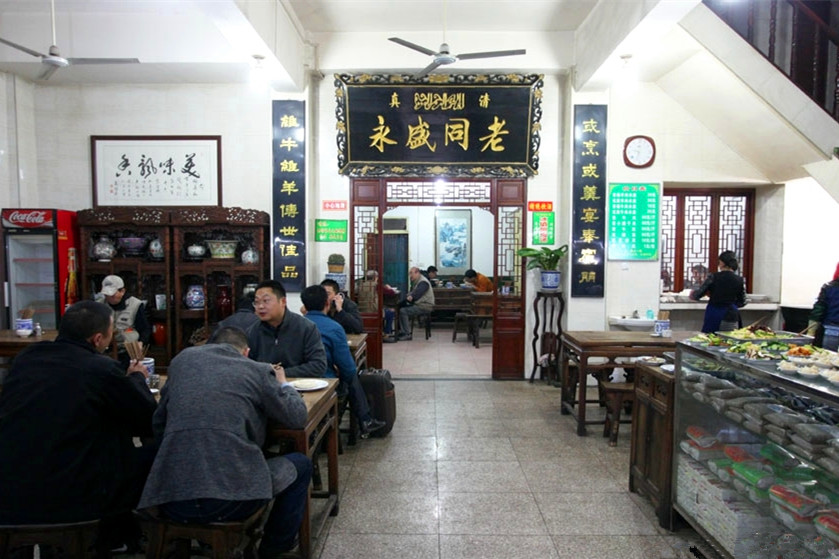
(41, 270)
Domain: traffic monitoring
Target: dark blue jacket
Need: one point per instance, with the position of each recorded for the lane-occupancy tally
(826, 309)
(335, 343)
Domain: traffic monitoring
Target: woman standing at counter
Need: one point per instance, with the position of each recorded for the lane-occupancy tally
(727, 294)
(824, 320)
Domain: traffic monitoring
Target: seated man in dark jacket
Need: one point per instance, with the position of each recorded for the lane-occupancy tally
(342, 310)
(67, 418)
(283, 338)
(211, 425)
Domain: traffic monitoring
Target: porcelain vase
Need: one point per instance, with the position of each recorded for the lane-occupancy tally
(194, 297)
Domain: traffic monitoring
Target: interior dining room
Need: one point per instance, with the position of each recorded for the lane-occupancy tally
(377, 136)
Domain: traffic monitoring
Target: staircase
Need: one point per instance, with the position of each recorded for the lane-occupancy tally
(796, 37)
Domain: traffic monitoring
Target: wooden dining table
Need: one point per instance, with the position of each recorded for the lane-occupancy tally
(321, 424)
(358, 348)
(11, 344)
(584, 345)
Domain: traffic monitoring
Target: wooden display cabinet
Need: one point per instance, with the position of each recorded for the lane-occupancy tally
(199, 227)
(147, 276)
(652, 440)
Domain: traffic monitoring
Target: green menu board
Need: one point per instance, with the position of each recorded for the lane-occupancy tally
(331, 230)
(633, 221)
(544, 226)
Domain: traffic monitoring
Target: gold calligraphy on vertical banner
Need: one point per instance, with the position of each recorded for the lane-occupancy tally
(289, 194)
(589, 201)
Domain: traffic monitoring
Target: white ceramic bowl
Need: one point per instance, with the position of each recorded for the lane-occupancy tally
(23, 332)
(222, 249)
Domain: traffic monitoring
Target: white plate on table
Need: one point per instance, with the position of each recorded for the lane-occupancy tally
(309, 384)
(669, 367)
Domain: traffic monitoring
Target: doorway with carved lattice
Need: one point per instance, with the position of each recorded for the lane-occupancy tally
(503, 201)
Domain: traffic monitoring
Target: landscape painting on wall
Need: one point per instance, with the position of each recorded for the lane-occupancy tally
(453, 241)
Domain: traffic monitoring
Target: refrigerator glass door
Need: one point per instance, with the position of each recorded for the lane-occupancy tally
(32, 278)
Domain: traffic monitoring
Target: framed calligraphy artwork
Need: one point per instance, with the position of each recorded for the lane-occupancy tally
(453, 242)
(156, 170)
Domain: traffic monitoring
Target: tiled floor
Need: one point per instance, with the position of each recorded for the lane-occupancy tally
(438, 356)
(490, 469)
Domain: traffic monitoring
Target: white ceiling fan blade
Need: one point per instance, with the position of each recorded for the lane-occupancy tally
(22, 48)
(75, 61)
(427, 69)
(49, 71)
(491, 54)
(411, 45)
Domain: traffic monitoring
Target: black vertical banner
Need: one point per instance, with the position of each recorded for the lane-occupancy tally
(589, 204)
(289, 234)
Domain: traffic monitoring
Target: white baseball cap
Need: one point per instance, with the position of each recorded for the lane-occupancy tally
(112, 284)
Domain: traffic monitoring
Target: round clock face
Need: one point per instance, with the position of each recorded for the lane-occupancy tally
(639, 151)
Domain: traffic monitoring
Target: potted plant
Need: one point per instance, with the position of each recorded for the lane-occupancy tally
(547, 260)
(335, 262)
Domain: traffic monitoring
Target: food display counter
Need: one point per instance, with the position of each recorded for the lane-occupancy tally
(756, 452)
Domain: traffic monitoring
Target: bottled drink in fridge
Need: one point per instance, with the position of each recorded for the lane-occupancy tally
(71, 288)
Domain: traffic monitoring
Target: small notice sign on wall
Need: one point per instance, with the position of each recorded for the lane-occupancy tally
(334, 205)
(331, 230)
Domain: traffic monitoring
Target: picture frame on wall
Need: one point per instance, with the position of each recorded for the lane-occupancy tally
(453, 241)
(156, 170)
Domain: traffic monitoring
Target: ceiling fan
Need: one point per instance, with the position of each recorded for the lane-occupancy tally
(444, 56)
(53, 61)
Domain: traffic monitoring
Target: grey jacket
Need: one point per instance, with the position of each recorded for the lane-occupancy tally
(210, 424)
(295, 343)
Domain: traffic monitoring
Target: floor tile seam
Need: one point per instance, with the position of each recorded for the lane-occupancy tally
(381, 533)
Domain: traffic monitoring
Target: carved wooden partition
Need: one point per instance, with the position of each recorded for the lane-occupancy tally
(504, 198)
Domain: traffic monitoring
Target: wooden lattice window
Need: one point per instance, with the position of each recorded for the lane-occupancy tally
(696, 226)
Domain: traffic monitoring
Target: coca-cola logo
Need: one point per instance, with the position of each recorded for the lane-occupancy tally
(27, 218)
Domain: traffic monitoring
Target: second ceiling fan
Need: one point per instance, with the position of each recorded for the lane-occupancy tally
(444, 56)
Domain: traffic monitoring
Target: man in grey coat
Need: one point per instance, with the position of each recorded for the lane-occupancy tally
(210, 424)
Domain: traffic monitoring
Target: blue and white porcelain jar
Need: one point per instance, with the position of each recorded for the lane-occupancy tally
(194, 297)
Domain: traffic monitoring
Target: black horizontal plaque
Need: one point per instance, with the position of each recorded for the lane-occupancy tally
(439, 125)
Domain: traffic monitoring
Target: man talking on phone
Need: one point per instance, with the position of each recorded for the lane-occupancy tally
(342, 310)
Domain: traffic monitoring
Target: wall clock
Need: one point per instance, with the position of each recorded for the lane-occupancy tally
(638, 151)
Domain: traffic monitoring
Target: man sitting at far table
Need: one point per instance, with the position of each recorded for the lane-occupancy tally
(478, 281)
(338, 355)
(211, 425)
(419, 301)
(283, 338)
(67, 418)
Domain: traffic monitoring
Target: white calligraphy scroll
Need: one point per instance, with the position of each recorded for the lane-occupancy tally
(156, 170)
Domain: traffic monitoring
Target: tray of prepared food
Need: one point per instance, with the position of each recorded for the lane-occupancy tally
(765, 334)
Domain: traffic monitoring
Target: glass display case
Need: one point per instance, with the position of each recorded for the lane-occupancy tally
(756, 454)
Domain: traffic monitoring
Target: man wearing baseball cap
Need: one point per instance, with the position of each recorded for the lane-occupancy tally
(130, 321)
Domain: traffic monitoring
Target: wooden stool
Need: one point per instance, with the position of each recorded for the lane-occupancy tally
(458, 318)
(424, 320)
(229, 540)
(617, 394)
(74, 538)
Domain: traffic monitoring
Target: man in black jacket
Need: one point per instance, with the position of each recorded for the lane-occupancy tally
(342, 310)
(67, 418)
